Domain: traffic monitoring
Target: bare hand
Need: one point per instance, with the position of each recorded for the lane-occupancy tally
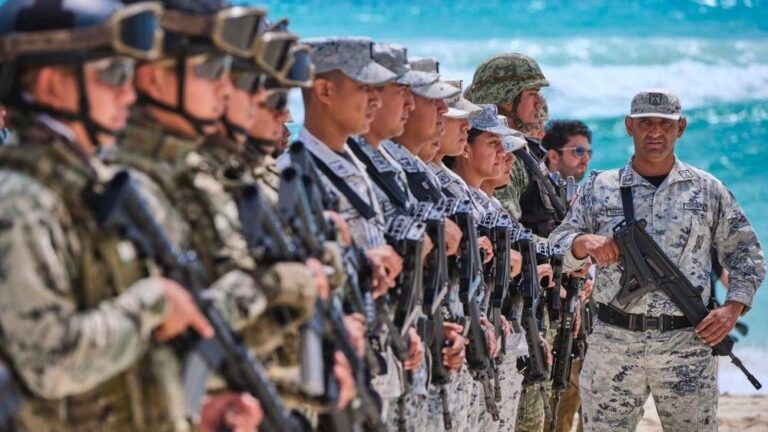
(386, 264)
(576, 320)
(719, 322)
(427, 247)
(490, 335)
(547, 350)
(484, 243)
(321, 279)
(415, 351)
(603, 250)
(453, 236)
(506, 327)
(239, 412)
(342, 227)
(355, 325)
(545, 271)
(342, 371)
(453, 355)
(182, 314)
(586, 290)
(582, 271)
(515, 262)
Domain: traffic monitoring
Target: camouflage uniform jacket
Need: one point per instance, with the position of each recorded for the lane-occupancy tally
(689, 214)
(367, 233)
(413, 167)
(509, 196)
(72, 323)
(183, 188)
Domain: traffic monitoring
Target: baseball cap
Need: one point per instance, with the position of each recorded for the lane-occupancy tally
(656, 102)
(352, 56)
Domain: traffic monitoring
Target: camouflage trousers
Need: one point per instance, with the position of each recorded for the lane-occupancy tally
(570, 402)
(531, 410)
(511, 382)
(622, 368)
(408, 412)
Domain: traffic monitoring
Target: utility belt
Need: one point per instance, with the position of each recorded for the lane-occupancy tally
(639, 322)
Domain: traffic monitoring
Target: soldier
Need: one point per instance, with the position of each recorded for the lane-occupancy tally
(341, 103)
(81, 311)
(688, 212)
(569, 148)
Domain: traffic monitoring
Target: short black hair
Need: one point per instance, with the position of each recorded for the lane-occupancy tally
(558, 132)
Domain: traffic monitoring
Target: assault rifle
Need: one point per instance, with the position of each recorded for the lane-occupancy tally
(553, 294)
(118, 207)
(478, 355)
(647, 268)
(296, 212)
(563, 349)
(435, 291)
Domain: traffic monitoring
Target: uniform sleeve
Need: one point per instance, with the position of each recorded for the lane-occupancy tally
(509, 196)
(58, 350)
(577, 222)
(738, 249)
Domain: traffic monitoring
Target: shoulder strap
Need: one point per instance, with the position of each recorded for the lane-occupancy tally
(386, 181)
(626, 200)
(354, 199)
(534, 169)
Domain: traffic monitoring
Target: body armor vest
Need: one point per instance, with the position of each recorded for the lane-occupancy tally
(132, 400)
(538, 214)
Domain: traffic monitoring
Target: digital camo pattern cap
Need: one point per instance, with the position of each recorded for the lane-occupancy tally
(353, 56)
(515, 140)
(458, 106)
(488, 121)
(503, 78)
(395, 58)
(656, 102)
(438, 89)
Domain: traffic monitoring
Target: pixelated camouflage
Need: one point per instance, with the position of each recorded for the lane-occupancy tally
(488, 121)
(503, 78)
(458, 106)
(395, 58)
(657, 102)
(352, 56)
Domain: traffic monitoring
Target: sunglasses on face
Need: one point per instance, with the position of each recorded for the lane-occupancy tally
(277, 100)
(114, 71)
(577, 151)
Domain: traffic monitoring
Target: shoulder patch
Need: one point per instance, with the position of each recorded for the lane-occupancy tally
(686, 174)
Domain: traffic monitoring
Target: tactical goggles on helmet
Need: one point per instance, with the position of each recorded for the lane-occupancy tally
(279, 55)
(233, 30)
(249, 81)
(133, 31)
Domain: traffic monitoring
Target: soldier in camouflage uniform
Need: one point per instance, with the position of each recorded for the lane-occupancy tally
(689, 213)
(342, 103)
(81, 312)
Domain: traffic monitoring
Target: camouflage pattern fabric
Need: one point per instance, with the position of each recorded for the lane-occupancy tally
(503, 78)
(509, 195)
(352, 56)
(622, 368)
(570, 402)
(690, 213)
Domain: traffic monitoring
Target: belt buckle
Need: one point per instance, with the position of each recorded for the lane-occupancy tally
(652, 323)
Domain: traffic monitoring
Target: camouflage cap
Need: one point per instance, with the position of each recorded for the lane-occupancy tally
(352, 56)
(458, 106)
(656, 102)
(488, 120)
(503, 78)
(395, 58)
(438, 89)
(513, 141)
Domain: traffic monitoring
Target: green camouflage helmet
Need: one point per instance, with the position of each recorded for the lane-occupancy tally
(501, 79)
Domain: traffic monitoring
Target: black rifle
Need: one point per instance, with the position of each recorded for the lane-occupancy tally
(120, 208)
(563, 349)
(647, 268)
(553, 294)
(534, 367)
(478, 355)
(435, 291)
(10, 400)
(297, 212)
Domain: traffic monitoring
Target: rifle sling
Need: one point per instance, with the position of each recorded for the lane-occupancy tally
(385, 180)
(626, 200)
(358, 203)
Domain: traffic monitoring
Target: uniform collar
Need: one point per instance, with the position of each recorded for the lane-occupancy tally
(343, 166)
(149, 138)
(680, 172)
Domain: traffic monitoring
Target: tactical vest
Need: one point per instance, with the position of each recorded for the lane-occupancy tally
(132, 400)
(538, 214)
(173, 163)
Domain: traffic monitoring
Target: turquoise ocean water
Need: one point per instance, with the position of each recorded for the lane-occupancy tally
(597, 54)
